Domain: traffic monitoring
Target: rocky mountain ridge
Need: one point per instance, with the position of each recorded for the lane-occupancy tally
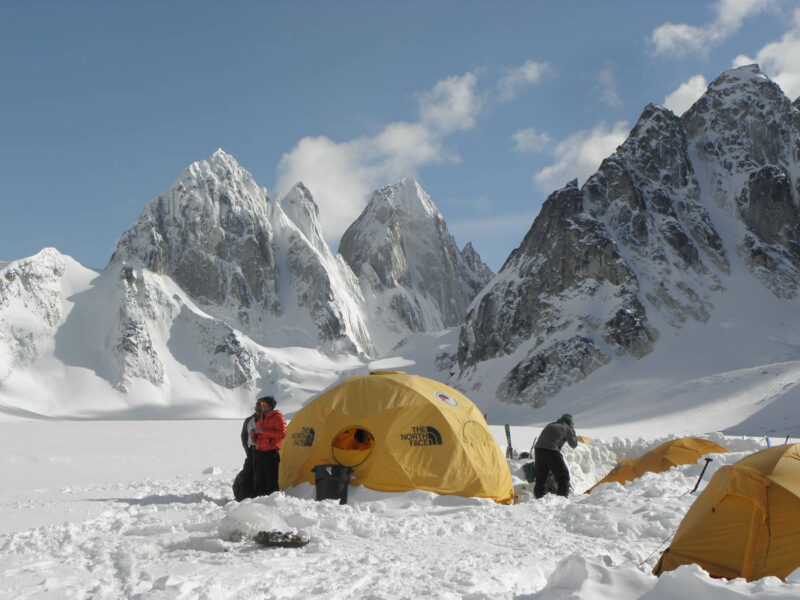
(639, 241)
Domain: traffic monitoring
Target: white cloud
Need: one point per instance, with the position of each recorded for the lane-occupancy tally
(335, 174)
(530, 140)
(341, 175)
(517, 79)
(781, 60)
(581, 154)
(687, 94)
(742, 60)
(679, 39)
(451, 105)
(606, 88)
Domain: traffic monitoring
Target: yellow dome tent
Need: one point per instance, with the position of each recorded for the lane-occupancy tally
(745, 523)
(398, 432)
(682, 451)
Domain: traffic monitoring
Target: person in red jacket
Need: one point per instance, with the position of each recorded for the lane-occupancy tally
(268, 436)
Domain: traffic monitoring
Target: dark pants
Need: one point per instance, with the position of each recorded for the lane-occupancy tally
(249, 464)
(244, 484)
(266, 471)
(547, 461)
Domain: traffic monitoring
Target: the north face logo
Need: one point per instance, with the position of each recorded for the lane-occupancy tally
(304, 437)
(422, 436)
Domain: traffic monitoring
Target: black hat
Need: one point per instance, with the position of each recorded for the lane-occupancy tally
(567, 418)
(268, 400)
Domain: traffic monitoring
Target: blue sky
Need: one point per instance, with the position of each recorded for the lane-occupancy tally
(489, 105)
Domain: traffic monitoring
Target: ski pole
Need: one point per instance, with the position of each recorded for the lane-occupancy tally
(708, 460)
(787, 440)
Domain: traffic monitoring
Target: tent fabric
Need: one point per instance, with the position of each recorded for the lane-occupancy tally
(425, 435)
(745, 522)
(681, 451)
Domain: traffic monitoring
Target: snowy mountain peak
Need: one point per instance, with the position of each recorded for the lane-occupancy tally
(210, 231)
(35, 295)
(743, 136)
(654, 116)
(300, 207)
(221, 155)
(738, 76)
(407, 197)
(413, 275)
(261, 269)
(300, 194)
(220, 162)
(475, 262)
(46, 254)
(737, 98)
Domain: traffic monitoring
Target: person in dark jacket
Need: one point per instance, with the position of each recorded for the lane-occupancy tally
(268, 434)
(548, 458)
(248, 426)
(244, 485)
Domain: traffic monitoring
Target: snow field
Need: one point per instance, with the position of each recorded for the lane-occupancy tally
(115, 532)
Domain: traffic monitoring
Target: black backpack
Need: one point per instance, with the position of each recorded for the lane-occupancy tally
(551, 485)
(243, 486)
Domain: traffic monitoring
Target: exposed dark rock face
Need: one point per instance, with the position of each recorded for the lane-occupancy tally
(564, 249)
(211, 233)
(545, 373)
(745, 135)
(567, 254)
(132, 345)
(224, 356)
(638, 240)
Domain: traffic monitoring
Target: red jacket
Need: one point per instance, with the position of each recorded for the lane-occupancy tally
(270, 430)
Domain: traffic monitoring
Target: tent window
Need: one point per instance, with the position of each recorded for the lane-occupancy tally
(354, 438)
(352, 446)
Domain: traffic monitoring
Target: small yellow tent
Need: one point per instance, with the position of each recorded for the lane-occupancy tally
(682, 451)
(745, 523)
(398, 432)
